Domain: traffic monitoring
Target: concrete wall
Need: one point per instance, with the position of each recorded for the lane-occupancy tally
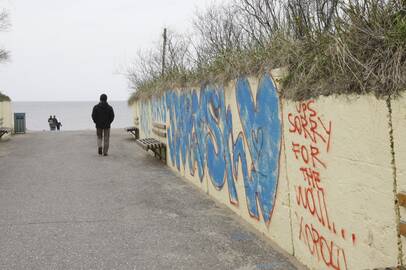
(316, 177)
(6, 116)
(339, 167)
(398, 116)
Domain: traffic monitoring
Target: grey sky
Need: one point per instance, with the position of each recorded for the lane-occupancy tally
(73, 50)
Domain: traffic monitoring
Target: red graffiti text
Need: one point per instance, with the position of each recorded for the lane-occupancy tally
(310, 147)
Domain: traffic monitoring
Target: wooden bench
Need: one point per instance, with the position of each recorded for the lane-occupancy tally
(156, 146)
(159, 129)
(3, 130)
(159, 148)
(135, 129)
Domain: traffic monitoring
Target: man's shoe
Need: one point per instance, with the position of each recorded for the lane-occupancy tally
(105, 154)
(100, 151)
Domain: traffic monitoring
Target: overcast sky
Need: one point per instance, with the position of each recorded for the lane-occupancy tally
(73, 50)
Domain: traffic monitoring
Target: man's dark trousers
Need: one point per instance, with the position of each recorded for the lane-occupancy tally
(103, 138)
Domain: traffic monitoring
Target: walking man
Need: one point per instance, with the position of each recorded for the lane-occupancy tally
(103, 116)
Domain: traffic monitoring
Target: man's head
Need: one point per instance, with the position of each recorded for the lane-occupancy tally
(103, 97)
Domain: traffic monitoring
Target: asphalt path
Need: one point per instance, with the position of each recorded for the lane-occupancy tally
(64, 207)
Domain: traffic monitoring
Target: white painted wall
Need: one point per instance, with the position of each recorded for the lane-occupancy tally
(356, 180)
(399, 138)
(6, 116)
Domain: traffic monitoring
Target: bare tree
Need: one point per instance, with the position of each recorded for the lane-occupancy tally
(178, 57)
(260, 19)
(307, 18)
(219, 32)
(263, 18)
(4, 24)
(146, 69)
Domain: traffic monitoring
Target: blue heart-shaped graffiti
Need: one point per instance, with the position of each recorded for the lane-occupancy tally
(262, 129)
(219, 125)
(258, 139)
(200, 131)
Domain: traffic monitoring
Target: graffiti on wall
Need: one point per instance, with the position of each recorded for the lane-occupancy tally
(320, 232)
(152, 110)
(145, 116)
(159, 109)
(201, 138)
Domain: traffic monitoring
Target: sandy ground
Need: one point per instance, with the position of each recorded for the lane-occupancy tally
(64, 207)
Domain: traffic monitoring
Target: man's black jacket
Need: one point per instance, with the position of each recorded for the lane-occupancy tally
(103, 115)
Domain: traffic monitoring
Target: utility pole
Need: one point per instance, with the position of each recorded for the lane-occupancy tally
(164, 52)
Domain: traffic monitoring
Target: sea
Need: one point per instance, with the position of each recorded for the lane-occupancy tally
(73, 115)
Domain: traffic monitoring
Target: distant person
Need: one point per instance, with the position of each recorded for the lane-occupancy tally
(58, 124)
(51, 123)
(55, 122)
(103, 116)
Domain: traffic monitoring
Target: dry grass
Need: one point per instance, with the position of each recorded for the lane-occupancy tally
(366, 55)
(363, 52)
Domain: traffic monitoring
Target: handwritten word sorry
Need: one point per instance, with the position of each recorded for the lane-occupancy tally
(306, 125)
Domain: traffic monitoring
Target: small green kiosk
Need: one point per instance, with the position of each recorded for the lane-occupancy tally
(19, 123)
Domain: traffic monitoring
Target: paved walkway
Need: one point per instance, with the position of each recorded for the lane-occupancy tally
(64, 207)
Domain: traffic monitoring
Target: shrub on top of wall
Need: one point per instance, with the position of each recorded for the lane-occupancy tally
(329, 47)
(3, 97)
